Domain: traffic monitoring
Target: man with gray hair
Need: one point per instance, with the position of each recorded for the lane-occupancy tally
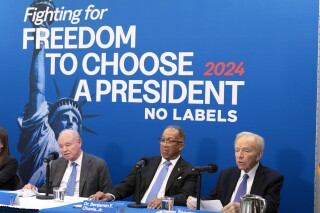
(248, 177)
(80, 173)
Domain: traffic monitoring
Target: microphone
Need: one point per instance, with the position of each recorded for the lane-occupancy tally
(52, 156)
(211, 168)
(143, 162)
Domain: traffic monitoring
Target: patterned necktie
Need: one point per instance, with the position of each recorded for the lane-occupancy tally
(158, 183)
(242, 188)
(72, 180)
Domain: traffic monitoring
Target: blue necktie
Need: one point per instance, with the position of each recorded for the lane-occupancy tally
(242, 188)
(72, 180)
(158, 183)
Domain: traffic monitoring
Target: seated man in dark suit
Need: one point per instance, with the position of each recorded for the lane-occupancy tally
(90, 172)
(178, 182)
(261, 180)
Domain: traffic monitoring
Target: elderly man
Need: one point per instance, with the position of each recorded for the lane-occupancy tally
(250, 174)
(177, 179)
(80, 173)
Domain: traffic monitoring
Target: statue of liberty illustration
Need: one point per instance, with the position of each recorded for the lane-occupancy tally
(40, 122)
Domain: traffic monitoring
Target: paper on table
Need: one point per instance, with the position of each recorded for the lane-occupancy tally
(26, 192)
(207, 205)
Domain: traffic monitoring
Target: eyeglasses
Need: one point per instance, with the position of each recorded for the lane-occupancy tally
(169, 141)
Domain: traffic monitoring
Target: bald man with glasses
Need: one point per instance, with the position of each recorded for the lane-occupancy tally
(165, 175)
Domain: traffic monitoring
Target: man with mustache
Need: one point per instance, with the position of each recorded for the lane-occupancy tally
(179, 181)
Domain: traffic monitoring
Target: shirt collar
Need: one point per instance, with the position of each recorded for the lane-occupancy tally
(173, 162)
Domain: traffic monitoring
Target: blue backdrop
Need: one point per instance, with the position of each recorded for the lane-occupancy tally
(232, 65)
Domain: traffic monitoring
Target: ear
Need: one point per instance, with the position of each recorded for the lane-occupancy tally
(259, 155)
(181, 147)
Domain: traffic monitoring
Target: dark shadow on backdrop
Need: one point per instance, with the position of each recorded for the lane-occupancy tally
(207, 152)
(117, 168)
(292, 164)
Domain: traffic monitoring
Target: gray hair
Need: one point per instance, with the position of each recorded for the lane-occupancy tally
(182, 135)
(73, 132)
(257, 138)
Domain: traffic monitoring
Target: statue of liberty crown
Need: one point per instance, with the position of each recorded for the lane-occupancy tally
(69, 104)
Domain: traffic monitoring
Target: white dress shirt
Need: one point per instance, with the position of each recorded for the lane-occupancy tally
(163, 186)
(67, 174)
(251, 174)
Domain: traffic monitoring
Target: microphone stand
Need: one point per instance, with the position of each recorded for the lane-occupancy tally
(46, 196)
(198, 189)
(138, 204)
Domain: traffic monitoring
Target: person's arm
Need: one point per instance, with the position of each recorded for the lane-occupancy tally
(188, 189)
(184, 186)
(127, 187)
(120, 191)
(105, 181)
(189, 205)
(8, 170)
(272, 194)
(101, 196)
(213, 195)
(30, 186)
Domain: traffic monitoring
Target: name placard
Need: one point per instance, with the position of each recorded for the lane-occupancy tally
(8, 198)
(104, 207)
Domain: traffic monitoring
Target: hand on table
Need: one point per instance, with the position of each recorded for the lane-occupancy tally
(231, 208)
(101, 196)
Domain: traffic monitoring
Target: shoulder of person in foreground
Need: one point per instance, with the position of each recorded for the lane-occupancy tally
(270, 183)
(98, 166)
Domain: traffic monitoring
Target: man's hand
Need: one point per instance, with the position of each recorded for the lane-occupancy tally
(231, 208)
(30, 186)
(155, 203)
(189, 205)
(101, 196)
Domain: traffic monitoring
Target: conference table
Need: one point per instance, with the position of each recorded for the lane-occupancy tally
(73, 205)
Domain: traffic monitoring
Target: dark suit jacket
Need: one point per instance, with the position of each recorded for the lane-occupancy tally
(94, 175)
(267, 183)
(7, 174)
(180, 185)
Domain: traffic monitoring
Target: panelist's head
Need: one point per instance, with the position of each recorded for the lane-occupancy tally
(172, 142)
(70, 142)
(248, 150)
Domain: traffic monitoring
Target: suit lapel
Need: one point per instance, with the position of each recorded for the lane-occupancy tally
(232, 184)
(148, 172)
(258, 180)
(84, 172)
(60, 170)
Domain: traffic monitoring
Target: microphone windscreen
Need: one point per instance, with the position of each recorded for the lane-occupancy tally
(145, 161)
(141, 163)
(213, 168)
(55, 155)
